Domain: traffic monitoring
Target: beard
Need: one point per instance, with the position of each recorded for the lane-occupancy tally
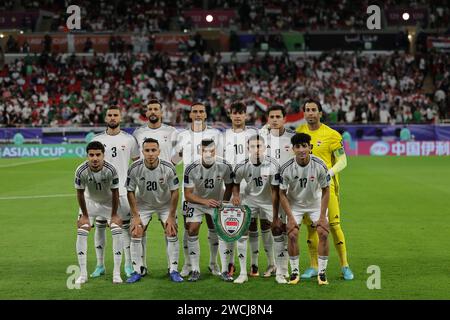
(153, 119)
(113, 126)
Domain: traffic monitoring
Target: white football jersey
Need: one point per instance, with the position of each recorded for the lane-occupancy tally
(304, 184)
(119, 151)
(279, 148)
(189, 144)
(259, 180)
(208, 183)
(98, 185)
(166, 136)
(153, 186)
(235, 145)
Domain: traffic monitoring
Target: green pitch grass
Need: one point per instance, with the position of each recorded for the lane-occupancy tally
(395, 215)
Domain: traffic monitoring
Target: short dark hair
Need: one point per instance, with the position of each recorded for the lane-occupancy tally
(150, 140)
(300, 138)
(208, 143)
(256, 137)
(155, 101)
(277, 107)
(113, 107)
(95, 145)
(198, 103)
(316, 102)
(238, 106)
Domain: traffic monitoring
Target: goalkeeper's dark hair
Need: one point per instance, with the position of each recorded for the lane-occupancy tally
(238, 107)
(316, 102)
(208, 143)
(95, 145)
(256, 137)
(150, 140)
(276, 107)
(198, 103)
(301, 138)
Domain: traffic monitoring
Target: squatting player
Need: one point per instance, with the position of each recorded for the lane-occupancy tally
(304, 191)
(152, 186)
(97, 185)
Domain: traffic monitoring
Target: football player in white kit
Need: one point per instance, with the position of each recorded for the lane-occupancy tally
(152, 186)
(97, 184)
(305, 190)
(166, 136)
(260, 193)
(235, 151)
(278, 144)
(120, 149)
(188, 149)
(204, 182)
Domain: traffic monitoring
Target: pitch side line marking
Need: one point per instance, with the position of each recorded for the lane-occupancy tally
(25, 163)
(38, 197)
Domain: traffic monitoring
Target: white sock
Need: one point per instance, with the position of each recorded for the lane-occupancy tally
(167, 251)
(173, 252)
(100, 241)
(136, 254)
(286, 253)
(242, 254)
(267, 238)
(81, 247)
(254, 247)
(278, 248)
(126, 239)
(213, 241)
(225, 250)
(116, 232)
(194, 252)
(294, 265)
(144, 249)
(187, 259)
(323, 261)
(234, 247)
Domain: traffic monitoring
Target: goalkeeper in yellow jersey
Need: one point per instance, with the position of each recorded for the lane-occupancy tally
(327, 145)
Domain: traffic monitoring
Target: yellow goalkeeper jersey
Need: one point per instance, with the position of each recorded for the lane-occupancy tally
(325, 142)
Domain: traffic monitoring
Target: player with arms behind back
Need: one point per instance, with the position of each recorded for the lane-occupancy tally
(120, 149)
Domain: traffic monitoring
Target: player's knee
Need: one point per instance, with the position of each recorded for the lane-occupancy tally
(265, 224)
(126, 225)
(253, 225)
(276, 231)
(101, 224)
(335, 226)
(323, 234)
(293, 235)
(192, 230)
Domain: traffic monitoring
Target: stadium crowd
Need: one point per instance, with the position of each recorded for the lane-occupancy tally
(256, 15)
(56, 90)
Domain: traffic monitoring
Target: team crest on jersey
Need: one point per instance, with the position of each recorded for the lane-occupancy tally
(311, 178)
(161, 180)
(123, 148)
(264, 177)
(218, 178)
(287, 147)
(165, 138)
(319, 143)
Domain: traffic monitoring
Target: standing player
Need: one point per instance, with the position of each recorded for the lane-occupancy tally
(304, 191)
(235, 151)
(120, 149)
(152, 186)
(166, 136)
(101, 181)
(260, 193)
(204, 182)
(327, 145)
(278, 142)
(188, 149)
